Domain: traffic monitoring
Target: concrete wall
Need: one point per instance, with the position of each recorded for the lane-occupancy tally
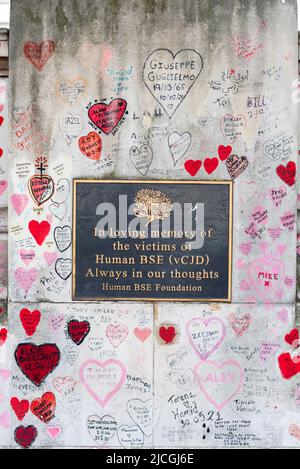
(169, 389)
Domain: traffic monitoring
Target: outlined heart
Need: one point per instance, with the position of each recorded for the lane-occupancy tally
(161, 87)
(105, 377)
(219, 382)
(206, 335)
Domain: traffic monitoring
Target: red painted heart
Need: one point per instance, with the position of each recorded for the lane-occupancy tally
(39, 231)
(289, 367)
(292, 338)
(224, 152)
(287, 173)
(37, 361)
(193, 166)
(211, 164)
(25, 436)
(167, 334)
(1, 120)
(44, 407)
(41, 188)
(39, 54)
(20, 408)
(107, 116)
(30, 320)
(3, 336)
(78, 331)
(91, 146)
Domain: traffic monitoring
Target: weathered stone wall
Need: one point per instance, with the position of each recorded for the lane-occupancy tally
(232, 118)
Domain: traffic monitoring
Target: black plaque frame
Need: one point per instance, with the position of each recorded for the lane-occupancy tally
(228, 299)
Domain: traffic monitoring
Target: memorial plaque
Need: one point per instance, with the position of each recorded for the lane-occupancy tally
(152, 240)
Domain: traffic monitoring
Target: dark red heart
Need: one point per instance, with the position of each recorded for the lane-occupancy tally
(107, 116)
(210, 165)
(1, 120)
(78, 331)
(287, 173)
(37, 361)
(292, 338)
(1, 152)
(39, 230)
(30, 320)
(224, 152)
(193, 166)
(25, 436)
(289, 367)
(167, 334)
(20, 408)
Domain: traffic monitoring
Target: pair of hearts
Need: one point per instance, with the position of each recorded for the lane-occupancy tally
(210, 164)
(43, 408)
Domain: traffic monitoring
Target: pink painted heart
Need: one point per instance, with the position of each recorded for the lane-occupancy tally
(283, 315)
(142, 333)
(25, 278)
(288, 220)
(102, 379)
(240, 324)
(206, 335)
(3, 186)
(245, 248)
(219, 382)
(5, 374)
(19, 202)
(54, 431)
(116, 334)
(50, 257)
(260, 215)
(266, 276)
(278, 195)
(5, 420)
(27, 256)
